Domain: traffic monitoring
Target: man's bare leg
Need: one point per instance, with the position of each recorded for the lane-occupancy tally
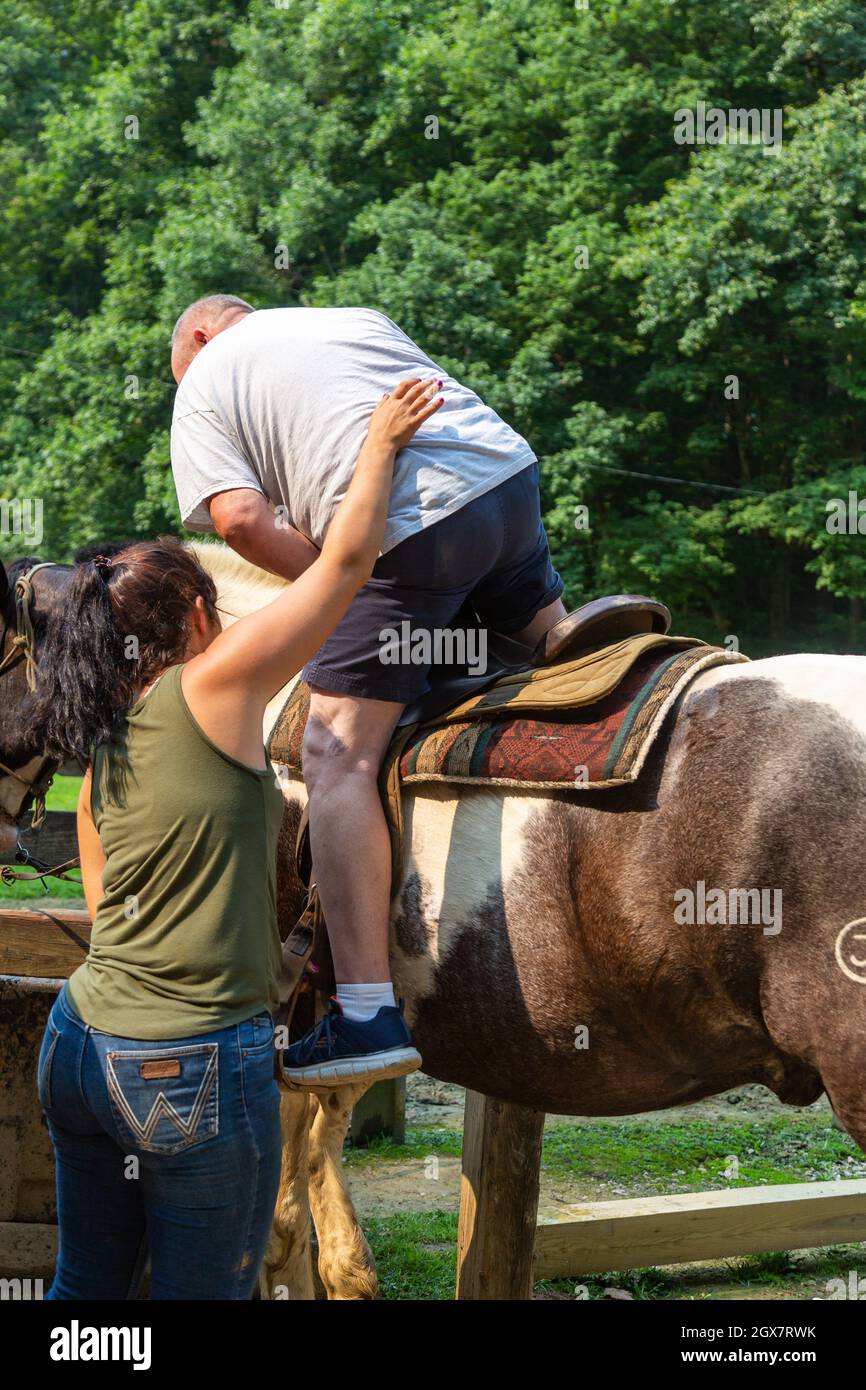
(363, 1037)
(344, 746)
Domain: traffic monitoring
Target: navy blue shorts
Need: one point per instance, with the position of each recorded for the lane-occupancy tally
(489, 561)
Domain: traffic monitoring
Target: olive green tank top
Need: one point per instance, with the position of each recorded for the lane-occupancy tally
(185, 939)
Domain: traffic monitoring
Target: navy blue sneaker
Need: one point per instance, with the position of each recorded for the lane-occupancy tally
(339, 1049)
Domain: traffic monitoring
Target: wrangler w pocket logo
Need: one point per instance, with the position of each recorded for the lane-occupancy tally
(165, 1099)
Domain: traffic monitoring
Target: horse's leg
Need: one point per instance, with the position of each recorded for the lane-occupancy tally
(841, 1067)
(346, 1265)
(287, 1271)
(812, 997)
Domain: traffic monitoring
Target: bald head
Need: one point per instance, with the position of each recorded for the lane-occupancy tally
(200, 322)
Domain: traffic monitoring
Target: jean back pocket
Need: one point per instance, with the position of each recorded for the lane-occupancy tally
(165, 1099)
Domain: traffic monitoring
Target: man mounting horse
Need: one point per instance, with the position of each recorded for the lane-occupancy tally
(522, 916)
(271, 410)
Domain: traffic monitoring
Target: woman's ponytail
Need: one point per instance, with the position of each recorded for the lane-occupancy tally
(123, 621)
(78, 669)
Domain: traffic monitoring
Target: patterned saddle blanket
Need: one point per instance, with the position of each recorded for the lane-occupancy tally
(587, 722)
(601, 745)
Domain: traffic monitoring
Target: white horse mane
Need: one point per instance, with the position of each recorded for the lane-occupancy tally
(241, 586)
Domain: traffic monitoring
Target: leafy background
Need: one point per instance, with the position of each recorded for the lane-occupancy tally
(303, 123)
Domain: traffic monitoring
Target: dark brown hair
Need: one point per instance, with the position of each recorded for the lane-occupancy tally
(125, 619)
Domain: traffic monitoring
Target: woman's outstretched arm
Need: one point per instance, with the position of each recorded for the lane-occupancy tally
(258, 655)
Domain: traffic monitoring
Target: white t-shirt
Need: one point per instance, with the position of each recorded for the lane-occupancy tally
(281, 402)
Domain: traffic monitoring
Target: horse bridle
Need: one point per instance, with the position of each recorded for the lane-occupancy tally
(18, 787)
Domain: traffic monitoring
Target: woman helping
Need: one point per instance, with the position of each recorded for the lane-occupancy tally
(156, 1072)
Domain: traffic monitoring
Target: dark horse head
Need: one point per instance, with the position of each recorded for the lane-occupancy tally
(28, 598)
(32, 594)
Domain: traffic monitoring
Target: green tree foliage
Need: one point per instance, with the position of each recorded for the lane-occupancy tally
(679, 330)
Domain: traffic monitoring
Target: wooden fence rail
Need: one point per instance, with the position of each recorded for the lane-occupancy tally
(502, 1252)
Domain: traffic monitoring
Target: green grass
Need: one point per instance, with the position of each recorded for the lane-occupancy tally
(62, 796)
(697, 1156)
(415, 1254)
(645, 1157)
(773, 1274)
(419, 1143)
(416, 1259)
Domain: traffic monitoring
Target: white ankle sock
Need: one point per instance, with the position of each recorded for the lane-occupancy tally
(362, 1002)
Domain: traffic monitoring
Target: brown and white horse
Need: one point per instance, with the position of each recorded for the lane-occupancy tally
(630, 922)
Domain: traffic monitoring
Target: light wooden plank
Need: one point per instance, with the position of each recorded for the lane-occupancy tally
(48, 944)
(498, 1199)
(644, 1231)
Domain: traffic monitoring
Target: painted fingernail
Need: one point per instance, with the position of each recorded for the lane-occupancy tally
(439, 383)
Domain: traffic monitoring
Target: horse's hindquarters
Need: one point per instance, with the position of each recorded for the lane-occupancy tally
(607, 953)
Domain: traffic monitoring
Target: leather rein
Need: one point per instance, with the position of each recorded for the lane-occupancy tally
(32, 780)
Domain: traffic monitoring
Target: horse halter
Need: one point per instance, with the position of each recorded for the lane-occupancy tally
(32, 780)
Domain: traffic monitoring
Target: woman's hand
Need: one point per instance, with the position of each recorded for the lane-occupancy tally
(400, 414)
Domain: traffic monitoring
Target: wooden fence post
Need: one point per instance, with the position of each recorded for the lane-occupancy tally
(498, 1199)
(380, 1111)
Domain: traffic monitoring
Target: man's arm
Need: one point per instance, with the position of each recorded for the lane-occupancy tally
(244, 520)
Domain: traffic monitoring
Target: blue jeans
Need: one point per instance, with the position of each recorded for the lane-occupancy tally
(167, 1148)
